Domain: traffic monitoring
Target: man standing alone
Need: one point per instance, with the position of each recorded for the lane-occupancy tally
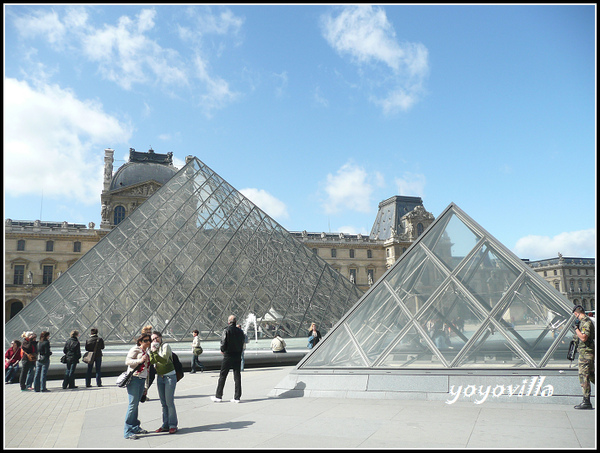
(232, 345)
(585, 334)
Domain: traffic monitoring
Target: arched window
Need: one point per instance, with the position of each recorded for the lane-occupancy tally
(15, 308)
(119, 214)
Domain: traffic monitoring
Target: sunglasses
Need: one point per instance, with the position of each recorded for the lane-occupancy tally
(147, 341)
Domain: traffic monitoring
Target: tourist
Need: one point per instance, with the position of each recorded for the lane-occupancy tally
(12, 357)
(585, 333)
(29, 357)
(72, 350)
(278, 344)
(232, 345)
(196, 351)
(162, 358)
(43, 363)
(314, 336)
(137, 361)
(94, 344)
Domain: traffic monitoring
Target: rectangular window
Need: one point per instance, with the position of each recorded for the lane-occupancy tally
(21, 245)
(353, 275)
(333, 253)
(351, 253)
(19, 274)
(369, 253)
(47, 276)
(77, 247)
(49, 246)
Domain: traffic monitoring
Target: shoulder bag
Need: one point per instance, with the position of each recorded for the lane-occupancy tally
(89, 356)
(125, 377)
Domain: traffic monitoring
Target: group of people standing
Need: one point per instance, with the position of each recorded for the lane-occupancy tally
(31, 358)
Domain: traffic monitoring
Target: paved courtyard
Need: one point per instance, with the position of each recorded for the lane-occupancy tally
(94, 417)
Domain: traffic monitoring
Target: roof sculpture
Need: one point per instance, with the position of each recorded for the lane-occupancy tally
(456, 299)
(194, 252)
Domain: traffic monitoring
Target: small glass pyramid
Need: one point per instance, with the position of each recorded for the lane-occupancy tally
(195, 252)
(456, 299)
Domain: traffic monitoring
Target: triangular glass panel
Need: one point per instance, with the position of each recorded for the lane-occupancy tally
(339, 351)
(195, 252)
(456, 298)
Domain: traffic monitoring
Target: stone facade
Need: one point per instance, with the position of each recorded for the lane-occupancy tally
(36, 253)
(575, 278)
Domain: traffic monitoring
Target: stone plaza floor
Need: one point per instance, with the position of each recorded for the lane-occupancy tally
(93, 418)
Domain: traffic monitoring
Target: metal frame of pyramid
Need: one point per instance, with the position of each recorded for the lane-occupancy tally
(456, 299)
(196, 251)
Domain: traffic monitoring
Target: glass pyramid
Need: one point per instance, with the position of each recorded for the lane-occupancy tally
(456, 299)
(193, 253)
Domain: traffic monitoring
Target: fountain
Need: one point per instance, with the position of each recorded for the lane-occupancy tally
(250, 319)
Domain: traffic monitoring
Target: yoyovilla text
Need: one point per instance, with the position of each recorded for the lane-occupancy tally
(481, 393)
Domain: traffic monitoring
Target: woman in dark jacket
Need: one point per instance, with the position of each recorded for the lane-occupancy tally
(43, 362)
(94, 344)
(72, 350)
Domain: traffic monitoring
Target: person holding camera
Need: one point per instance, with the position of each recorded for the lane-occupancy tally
(585, 335)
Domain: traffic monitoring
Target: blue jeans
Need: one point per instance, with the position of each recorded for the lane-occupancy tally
(196, 362)
(88, 375)
(11, 372)
(135, 389)
(27, 370)
(41, 370)
(166, 391)
(69, 379)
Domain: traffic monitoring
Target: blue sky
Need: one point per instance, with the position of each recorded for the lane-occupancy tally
(316, 113)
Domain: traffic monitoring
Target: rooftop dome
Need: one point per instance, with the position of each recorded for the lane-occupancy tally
(136, 172)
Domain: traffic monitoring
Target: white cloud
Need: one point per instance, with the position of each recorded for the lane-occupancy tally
(127, 55)
(573, 243)
(54, 141)
(411, 184)
(351, 188)
(267, 202)
(364, 33)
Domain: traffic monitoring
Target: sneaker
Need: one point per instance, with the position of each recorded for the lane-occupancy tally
(235, 401)
(215, 399)
(142, 431)
(161, 430)
(172, 430)
(46, 390)
(132, 437)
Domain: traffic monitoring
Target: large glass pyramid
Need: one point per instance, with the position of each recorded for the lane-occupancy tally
(195, 252)
(456, 299)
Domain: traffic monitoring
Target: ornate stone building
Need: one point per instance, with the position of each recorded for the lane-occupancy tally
(36, 253)
(132, 183)
(575, 278)
(364, 259)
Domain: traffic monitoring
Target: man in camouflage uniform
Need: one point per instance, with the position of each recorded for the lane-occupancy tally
(585, 334)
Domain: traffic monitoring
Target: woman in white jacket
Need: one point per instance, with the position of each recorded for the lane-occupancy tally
(138, 355)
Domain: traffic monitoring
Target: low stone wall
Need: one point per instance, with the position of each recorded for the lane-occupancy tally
(479, 387)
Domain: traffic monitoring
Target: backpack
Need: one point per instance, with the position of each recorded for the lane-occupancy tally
(178, 366)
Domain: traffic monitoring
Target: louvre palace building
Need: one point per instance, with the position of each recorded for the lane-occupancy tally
(38, 252)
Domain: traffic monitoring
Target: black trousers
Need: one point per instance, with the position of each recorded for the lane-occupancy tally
(234, 363)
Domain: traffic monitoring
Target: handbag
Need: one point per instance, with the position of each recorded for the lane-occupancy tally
(125, 377)
(89, 356)
(63, 359)
(198, 350)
